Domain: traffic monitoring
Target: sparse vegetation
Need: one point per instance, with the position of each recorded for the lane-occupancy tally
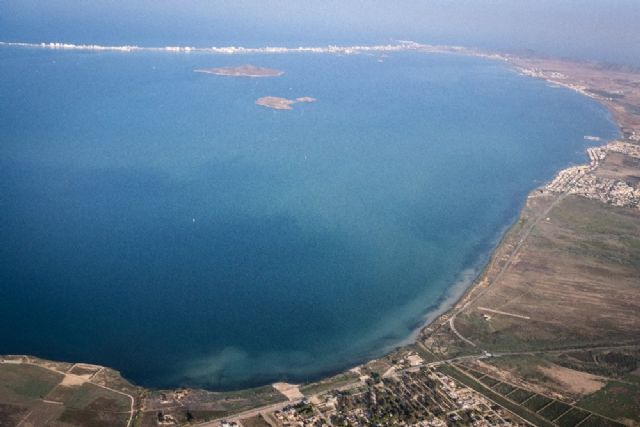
(618, 400)
(22, 383)
(334, 382)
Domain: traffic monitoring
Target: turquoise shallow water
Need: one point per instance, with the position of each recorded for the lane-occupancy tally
(157, 221)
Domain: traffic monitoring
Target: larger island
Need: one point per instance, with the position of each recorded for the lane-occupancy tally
(548, 335)
(246, 70)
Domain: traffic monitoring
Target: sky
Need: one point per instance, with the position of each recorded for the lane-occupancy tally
(583, 29)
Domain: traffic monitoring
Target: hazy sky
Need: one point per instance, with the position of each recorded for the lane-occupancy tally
(597, 29)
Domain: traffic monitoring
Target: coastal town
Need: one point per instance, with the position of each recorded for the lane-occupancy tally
(582, 181)
(409, 392)
(423, 397)
(400, 390)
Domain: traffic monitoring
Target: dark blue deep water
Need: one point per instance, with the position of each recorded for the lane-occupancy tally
(157, 221)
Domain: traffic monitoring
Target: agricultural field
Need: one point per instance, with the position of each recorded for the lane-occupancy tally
(38, 393)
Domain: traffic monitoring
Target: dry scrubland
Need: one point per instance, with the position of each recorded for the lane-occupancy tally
(574, 282)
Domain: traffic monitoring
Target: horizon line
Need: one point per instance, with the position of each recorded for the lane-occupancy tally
(400, 45)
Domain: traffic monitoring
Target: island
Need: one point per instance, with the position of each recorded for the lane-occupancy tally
(246, 70)
(278, 103)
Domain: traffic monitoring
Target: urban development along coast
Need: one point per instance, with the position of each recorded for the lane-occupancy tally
(548, 334)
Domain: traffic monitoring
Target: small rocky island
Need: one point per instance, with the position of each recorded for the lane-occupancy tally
(278, 103)
(246, 70)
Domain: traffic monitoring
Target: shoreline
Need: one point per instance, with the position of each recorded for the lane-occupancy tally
(462, 285)
(459, 291)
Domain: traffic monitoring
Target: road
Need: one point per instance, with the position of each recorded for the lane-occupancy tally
(66, 374)
(512, 256)
(484, 354)
(249, 413)
(592, 167)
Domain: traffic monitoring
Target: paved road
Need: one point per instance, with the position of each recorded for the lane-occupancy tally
(515, 251)
(282, 405)
(506, 266)
(249, 413)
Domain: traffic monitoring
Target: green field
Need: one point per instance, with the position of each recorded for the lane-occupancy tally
(328, 384)
(537, 402)
(24, 384)
(595, 421)
(520, 395)
(554, 410)
(488, 381)
(504, 388)
(616, 400)
(28, 393)
(90, 396)
(256, 421)
(572, 418)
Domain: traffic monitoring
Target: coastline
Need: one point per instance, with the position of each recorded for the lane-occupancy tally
(467, 279)
(460, 290)
(458, 294)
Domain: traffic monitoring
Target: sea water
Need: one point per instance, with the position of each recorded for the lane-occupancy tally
(158, 221)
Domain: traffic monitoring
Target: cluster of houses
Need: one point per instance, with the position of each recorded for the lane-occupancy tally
(581, 181)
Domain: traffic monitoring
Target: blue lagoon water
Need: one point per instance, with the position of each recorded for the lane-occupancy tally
(157, 221)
